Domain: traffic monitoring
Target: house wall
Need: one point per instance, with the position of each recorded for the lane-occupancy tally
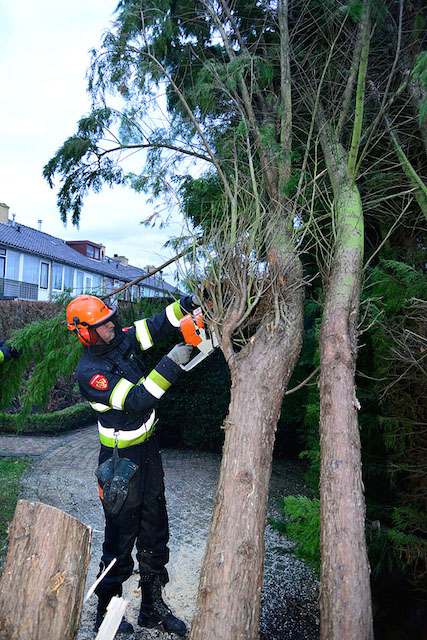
(31, 277)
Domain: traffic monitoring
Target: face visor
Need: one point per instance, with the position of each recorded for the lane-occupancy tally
(96, 339)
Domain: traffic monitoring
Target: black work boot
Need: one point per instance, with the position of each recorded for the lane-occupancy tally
(124, 627)
(155, 613)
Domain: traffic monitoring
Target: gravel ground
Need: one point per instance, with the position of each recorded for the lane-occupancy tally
(62, 475)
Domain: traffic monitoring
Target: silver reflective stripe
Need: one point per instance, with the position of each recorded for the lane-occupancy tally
(153, 388)
(174, 313)
(119, 393)
(143, 334)
(98, 406)
(125, 436)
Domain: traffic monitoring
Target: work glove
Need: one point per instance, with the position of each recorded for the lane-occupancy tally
(15, 353)
(181, 353)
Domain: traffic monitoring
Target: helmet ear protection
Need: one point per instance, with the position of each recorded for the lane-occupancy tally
(85, 334)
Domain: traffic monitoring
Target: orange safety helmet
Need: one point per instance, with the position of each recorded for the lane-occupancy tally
(84, 314)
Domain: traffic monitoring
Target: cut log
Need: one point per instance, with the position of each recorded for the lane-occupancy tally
(42, 586)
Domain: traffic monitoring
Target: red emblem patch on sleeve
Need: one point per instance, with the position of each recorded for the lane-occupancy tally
(99, 382)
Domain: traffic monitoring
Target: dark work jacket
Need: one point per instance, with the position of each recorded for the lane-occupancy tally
(113, 381)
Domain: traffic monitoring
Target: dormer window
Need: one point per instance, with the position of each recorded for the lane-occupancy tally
(92, 252)
(88, 249)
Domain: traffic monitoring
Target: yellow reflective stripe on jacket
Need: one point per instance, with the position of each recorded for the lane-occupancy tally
(98, 406)
(143, 334)
(174, 313)
(119, 393)
(126, 438)
(156, 384)
(1, 356)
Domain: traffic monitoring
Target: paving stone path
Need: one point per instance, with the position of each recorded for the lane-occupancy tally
(62, 475)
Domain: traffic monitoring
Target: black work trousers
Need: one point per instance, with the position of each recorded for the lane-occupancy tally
(142, 520)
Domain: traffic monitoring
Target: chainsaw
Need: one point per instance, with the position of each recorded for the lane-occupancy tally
(198, 333)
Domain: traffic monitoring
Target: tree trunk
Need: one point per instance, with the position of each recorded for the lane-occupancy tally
(229, 595)
(41, 590)
(417, 93)
(345, 593)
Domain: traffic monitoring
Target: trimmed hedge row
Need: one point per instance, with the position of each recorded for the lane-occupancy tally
(70, 418)
(15, 314)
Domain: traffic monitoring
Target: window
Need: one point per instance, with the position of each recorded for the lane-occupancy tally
(69, 278)
(2, 262)
(31, 269)
(89, 251)
(57, 273)
(79, 282)
(96, 255)
(12, 264)
(88, 283)
(44, 275)
(97, 284)
(135, 292)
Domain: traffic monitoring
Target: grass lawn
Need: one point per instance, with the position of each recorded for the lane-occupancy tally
(11, 470)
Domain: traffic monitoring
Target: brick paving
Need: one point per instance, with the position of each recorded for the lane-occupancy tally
(62, 474)
(27, 446)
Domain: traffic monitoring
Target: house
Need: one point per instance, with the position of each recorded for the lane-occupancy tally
(37, 266)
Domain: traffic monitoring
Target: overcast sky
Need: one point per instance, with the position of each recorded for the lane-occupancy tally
(44, 55)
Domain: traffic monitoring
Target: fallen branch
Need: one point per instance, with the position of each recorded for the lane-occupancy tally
(151, 273)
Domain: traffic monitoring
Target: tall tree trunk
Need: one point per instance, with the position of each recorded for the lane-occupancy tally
(416, 91)
(345, 593)
(229, 595)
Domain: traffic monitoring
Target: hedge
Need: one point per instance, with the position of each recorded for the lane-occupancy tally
(15, 314)
(70, 418)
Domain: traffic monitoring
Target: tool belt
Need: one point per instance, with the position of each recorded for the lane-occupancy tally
(115, 475)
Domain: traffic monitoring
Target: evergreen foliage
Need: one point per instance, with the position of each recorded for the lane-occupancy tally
(301, 524)
(49, 351)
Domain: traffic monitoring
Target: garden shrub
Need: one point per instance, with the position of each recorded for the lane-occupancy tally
(70, 418)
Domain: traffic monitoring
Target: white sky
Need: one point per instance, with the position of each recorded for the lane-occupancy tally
(44, 55)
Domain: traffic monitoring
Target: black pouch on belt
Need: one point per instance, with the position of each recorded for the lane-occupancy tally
(115, 475)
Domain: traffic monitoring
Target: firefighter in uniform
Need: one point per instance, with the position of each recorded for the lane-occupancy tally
(111, 376)
(7, 352)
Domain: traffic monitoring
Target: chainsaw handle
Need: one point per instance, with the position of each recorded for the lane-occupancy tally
(195, 361)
